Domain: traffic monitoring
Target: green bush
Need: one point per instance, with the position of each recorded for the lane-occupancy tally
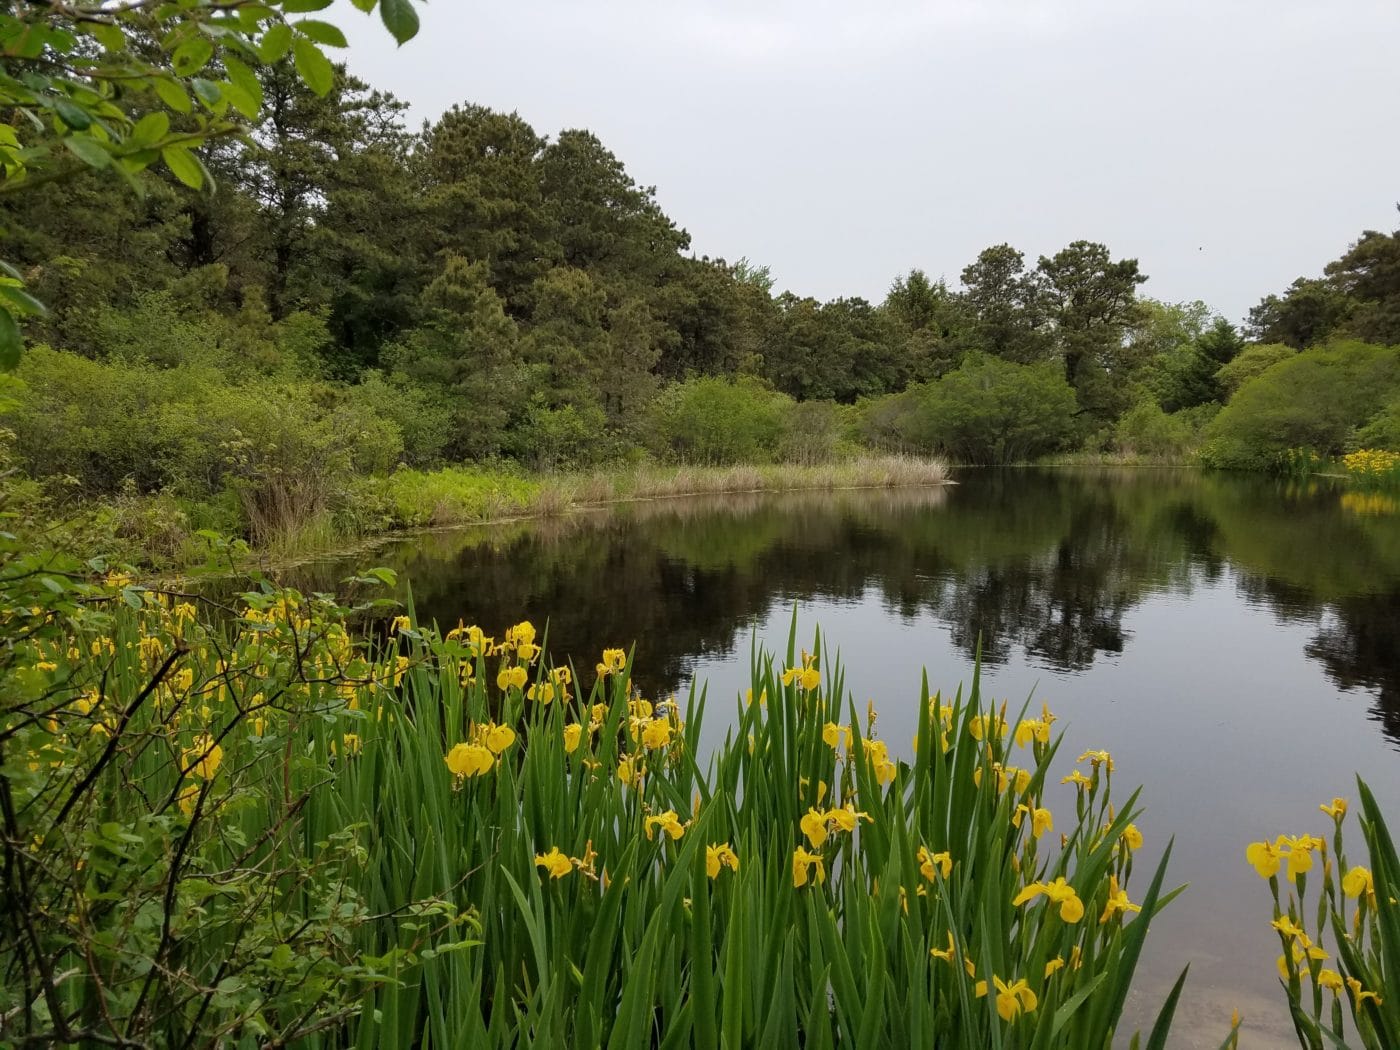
(1145, 430)
(1318, 399)
(1250, 364)
(719, 421)
(991, 411)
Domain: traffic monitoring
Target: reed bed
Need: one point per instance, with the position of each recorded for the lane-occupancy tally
(266, 830)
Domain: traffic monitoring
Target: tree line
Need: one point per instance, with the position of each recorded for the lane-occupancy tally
(474, 290)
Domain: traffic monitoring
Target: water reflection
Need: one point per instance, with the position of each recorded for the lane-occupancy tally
(1047, 563)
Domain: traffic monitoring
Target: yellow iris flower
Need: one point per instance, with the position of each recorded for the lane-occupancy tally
(1117, 901)
(1358, 881)
(934, 863)
(554, 862)
(813, 824)
(719, 856)
(469, 760)
(1059, 892)
(802, 864)
(573, 733)
(668, 822)
(1013, 999)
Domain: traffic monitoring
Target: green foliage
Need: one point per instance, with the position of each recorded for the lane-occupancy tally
(1383, 431)
(1317, 399)
(985, 411)
(1358, 298)
(1145, 430)
(116, 89)
(719, 421)
(1251, 362)
(287, 448)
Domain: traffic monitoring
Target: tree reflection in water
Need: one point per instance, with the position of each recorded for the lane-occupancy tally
(1047, 561)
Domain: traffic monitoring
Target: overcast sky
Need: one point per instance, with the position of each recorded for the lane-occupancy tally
(1229, 145)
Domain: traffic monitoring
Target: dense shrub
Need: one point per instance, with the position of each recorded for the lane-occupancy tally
(1251, 363)
(1318, 399)
(719, 421)
(985, 411)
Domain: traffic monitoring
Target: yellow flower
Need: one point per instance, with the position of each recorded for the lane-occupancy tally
(203, 757)
(400, 624)
(813, 824)
(1300, 850)
(630, 771)
(554, 862)
(1358, 881)
(1359, 995)
(498, 738)
(847, 816)
(931, 863)
(1097, 758)
(802, 863)
(1117, 901)
(834, 735)
(544, 692)
(668, 822)
(807, 677)
(1060, 892)
(1041, 819)
(656, 733)
(1265, 858)
(1012, 999)
(187, 798)
(945, 954)
(1286, 926)
(1132, 837)
(983, 726)
(1035, 729)
(720, 855)
(573, 733)
(1053, 965)
(1337, 810)
(522, 633)
(614, 660)
(1078, 779)
(512, 676)
(879, 754)
(350, 742)
(1330, 979)
(469, 760)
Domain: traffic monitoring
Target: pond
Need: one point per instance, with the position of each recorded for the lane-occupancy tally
(1234, 642)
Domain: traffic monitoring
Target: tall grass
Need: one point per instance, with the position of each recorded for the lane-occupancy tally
(272, 831)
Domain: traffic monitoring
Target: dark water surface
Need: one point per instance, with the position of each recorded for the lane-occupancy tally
(1234, 642)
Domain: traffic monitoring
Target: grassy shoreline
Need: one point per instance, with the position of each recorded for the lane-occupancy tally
(156, 533)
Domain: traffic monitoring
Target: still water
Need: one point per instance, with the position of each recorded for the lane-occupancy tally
(1234, 642)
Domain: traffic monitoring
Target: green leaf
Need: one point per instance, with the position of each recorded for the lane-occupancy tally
(296, 7)
(74, 116)
(183, 166)
(313, 67)
(207, 92)
(108, 35)
(322, 32)
(275, 43)
(20, 301)
(400, 19)
(11, 341)
(246, 81)
(192, 56)
(151, 128)
(88, 150)
(172, 94)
